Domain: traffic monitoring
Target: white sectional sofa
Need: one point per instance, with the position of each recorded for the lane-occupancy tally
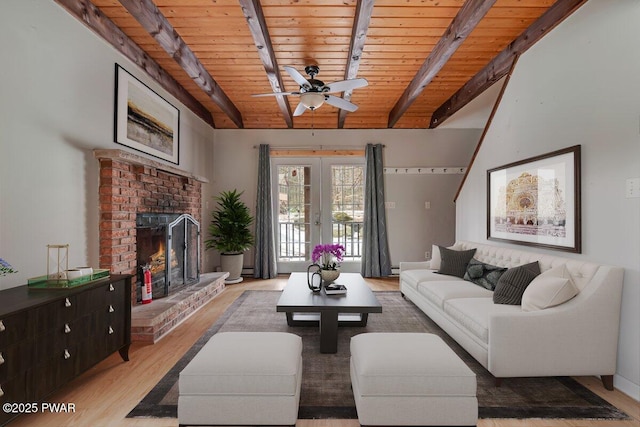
(577, 337)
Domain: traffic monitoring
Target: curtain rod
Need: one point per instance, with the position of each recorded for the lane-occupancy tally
(318, 147)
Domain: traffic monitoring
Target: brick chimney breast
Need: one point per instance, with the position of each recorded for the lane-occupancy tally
(131, 184)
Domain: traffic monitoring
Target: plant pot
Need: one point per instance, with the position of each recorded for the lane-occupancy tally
(329, 276)
(233, 264)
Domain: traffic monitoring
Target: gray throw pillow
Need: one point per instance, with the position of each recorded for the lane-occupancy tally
(513, 283)
(485, 275)
(454, 263)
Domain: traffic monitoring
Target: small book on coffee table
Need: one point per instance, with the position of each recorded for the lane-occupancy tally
(335, 289)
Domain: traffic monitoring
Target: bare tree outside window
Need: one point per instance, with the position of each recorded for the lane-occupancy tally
(347, 208)
(295, 216)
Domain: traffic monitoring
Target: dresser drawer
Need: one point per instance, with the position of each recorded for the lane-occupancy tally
(16, 358)
(115, 335)
(13, 391)
(91, 300)
(51, 374)
(109, 334)
(15, 328)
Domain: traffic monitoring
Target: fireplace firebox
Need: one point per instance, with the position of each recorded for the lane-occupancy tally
(169, 245)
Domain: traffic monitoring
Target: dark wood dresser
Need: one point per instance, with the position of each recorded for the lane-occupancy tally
(49, 337)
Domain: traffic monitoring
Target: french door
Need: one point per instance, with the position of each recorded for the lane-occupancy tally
(317, 200)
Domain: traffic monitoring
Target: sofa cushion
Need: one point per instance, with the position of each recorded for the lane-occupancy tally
(473, 314)
(414, 277)
(454, 263)
(485, 275)
(513, 283)
(439, 292)
(551, 288)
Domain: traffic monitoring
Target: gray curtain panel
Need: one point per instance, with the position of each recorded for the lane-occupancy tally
(376, 261)
(265, 266)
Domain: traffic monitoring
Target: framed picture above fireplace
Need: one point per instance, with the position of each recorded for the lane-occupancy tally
(536, 201)
(144, 120)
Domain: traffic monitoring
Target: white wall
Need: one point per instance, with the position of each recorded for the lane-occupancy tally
(579, 85)
(56, 106)
(412, 229)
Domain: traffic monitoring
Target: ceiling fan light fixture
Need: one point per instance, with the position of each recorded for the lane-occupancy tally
(312, 100)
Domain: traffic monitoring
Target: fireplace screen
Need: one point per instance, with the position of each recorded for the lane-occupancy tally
(169, 245)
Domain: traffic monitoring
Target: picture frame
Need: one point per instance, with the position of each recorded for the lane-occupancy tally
(536, 201)
(144, 120)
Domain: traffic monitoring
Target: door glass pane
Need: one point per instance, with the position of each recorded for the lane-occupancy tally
(294, 213)
(347, 208)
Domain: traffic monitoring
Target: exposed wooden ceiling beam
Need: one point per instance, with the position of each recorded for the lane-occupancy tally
(501, 64)
(156, 24)
(252, 11)
(487, 126)
(93, 18)
(364, 9)
(465, 21)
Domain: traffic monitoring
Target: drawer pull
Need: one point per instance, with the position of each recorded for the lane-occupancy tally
(111, 309)
(110, 330)
(67, 303)
(1, 392)
(2, 328)
(1, 359)
(66, 354)
(111, 288)
(67, 329)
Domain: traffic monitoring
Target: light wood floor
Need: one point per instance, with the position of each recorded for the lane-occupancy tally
(105, 394)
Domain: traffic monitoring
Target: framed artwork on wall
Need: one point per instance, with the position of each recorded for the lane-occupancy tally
(536, 201)
(144, 120)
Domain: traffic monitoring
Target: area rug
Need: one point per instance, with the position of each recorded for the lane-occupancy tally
(326, 384)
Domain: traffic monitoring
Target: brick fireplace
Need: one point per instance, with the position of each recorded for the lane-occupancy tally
(132, 185)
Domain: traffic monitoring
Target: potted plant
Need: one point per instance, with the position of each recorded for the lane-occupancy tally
(230, 234)
(328, 257)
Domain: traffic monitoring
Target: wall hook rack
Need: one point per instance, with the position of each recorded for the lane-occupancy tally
(455, 170)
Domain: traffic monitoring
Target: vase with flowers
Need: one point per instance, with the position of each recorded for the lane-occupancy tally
(328, 257)
(5, 268)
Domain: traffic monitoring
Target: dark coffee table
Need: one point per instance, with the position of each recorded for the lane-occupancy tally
(305, 308)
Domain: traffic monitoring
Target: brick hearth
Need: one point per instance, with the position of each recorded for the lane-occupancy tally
(131, 184)
(150, 322)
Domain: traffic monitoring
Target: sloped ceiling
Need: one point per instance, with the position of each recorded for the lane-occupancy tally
(423, 59)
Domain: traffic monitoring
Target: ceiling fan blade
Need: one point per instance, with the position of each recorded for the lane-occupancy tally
(299, 110)
(340, 103)
(295, 75)
(342, 85)
(257, 95)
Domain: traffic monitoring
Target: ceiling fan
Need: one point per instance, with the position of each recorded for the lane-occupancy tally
(313, 92)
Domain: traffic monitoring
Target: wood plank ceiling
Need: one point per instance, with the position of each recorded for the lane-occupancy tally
(423, 59)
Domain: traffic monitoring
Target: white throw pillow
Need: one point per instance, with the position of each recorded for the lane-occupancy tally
(435, 258)
(551, 288)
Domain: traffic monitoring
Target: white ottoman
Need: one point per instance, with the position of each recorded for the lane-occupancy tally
(243, 378)
(411, 379)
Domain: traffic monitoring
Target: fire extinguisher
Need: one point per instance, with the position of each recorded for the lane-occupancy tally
(146, 286)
